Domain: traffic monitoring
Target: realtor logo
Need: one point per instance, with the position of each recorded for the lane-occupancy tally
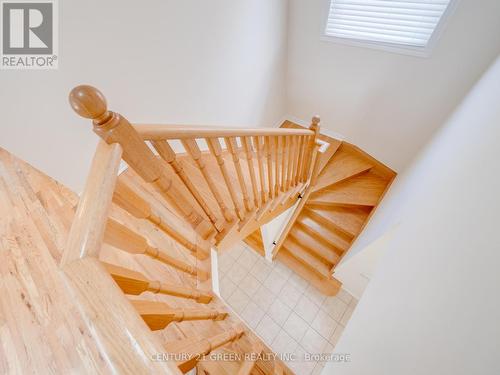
(29, 34)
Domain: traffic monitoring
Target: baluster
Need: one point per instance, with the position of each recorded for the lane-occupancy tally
(233, 149)
(158, 315)
(168, 154)
(135, 283)
(268, 141)
(126, 198)
(291, 159)
(284, 162)
(216, 150)
(300, 158)
(247, 146)
(259, 146)
(123, 238)
(89, 102)
(194, 151)
(277, 164)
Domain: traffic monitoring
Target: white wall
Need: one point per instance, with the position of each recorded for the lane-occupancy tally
(388, 104)
(164, 61)
(433, 304)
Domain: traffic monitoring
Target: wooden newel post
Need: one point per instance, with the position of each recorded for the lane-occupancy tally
(90, 103)
(310, 148)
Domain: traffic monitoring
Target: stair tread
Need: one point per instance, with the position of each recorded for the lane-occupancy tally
(363, 190)
(343, 165)
(307, 258)
(326, 231)
(309, 241)
(328, 286)
(349, 219)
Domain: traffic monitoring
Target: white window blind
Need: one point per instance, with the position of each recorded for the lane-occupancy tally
(399, 22)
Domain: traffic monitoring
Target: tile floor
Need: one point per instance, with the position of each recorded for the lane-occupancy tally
(287, 312)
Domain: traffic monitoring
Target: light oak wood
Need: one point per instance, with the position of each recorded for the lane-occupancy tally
(194, 349)
(312, 142)
(277, 165)
(255, 241)
(168, 154)
(158, 315)
(194, 151)
(87, 230)
(119, 236)
(162, 132)
(268, 142)
(126, 198)
(88, 102)
(216, 150)
(247, 146)
(284, 162)
(259, 146)
(133, 282)
(232, 146)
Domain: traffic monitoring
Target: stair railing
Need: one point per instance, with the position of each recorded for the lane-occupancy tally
(277, 164)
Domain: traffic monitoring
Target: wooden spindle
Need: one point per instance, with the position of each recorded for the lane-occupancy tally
(284, 162)
(194, 151)
(232, 146)
(89, 102)
(158, 315)
(216, 150)
(126, 198)
(269, 156)
(290, 158)
(247, 146)
(277, 165)
(119, 236)
(135, 283)
(193, 349)
(295, 158)
(168, 154)
(259, 147)
(300, 158)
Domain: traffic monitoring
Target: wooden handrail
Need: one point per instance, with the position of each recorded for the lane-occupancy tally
(87, 230)
(161, 132)
(158, 315)
(89, 102)
(135, 283)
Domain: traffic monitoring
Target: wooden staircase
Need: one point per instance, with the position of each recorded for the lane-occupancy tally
(345, 191)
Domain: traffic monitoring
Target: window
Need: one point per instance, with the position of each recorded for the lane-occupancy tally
(391, 24)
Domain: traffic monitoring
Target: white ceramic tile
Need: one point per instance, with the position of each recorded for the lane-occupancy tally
(275, 282)
(324, 324)
(284, 343)
(238, 300)
(313, 342)
(250, 285)
(267, 329)
(347, 315)
(279, 312)
(334, 307)
(227, 287)
(264, 297)
(247, 259)
(237, 250)
(315, 295)
(318, 369)
(282, 270)
(295, 326)
(301, 366)
(334, 339)
(225, 263)
(344, 296)
(261, 270)
(237, 273)
(290, 295)
(252, 314)
(306, 309)
(299, 282)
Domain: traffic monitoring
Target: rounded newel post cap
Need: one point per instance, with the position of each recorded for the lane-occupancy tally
(316, 120)
(88, 102)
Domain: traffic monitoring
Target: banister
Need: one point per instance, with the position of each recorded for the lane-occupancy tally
(161, 132)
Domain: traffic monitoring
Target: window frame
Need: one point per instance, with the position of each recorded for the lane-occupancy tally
(423, 52)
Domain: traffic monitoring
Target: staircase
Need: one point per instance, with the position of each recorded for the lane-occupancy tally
(334, 210)
(122, 276)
